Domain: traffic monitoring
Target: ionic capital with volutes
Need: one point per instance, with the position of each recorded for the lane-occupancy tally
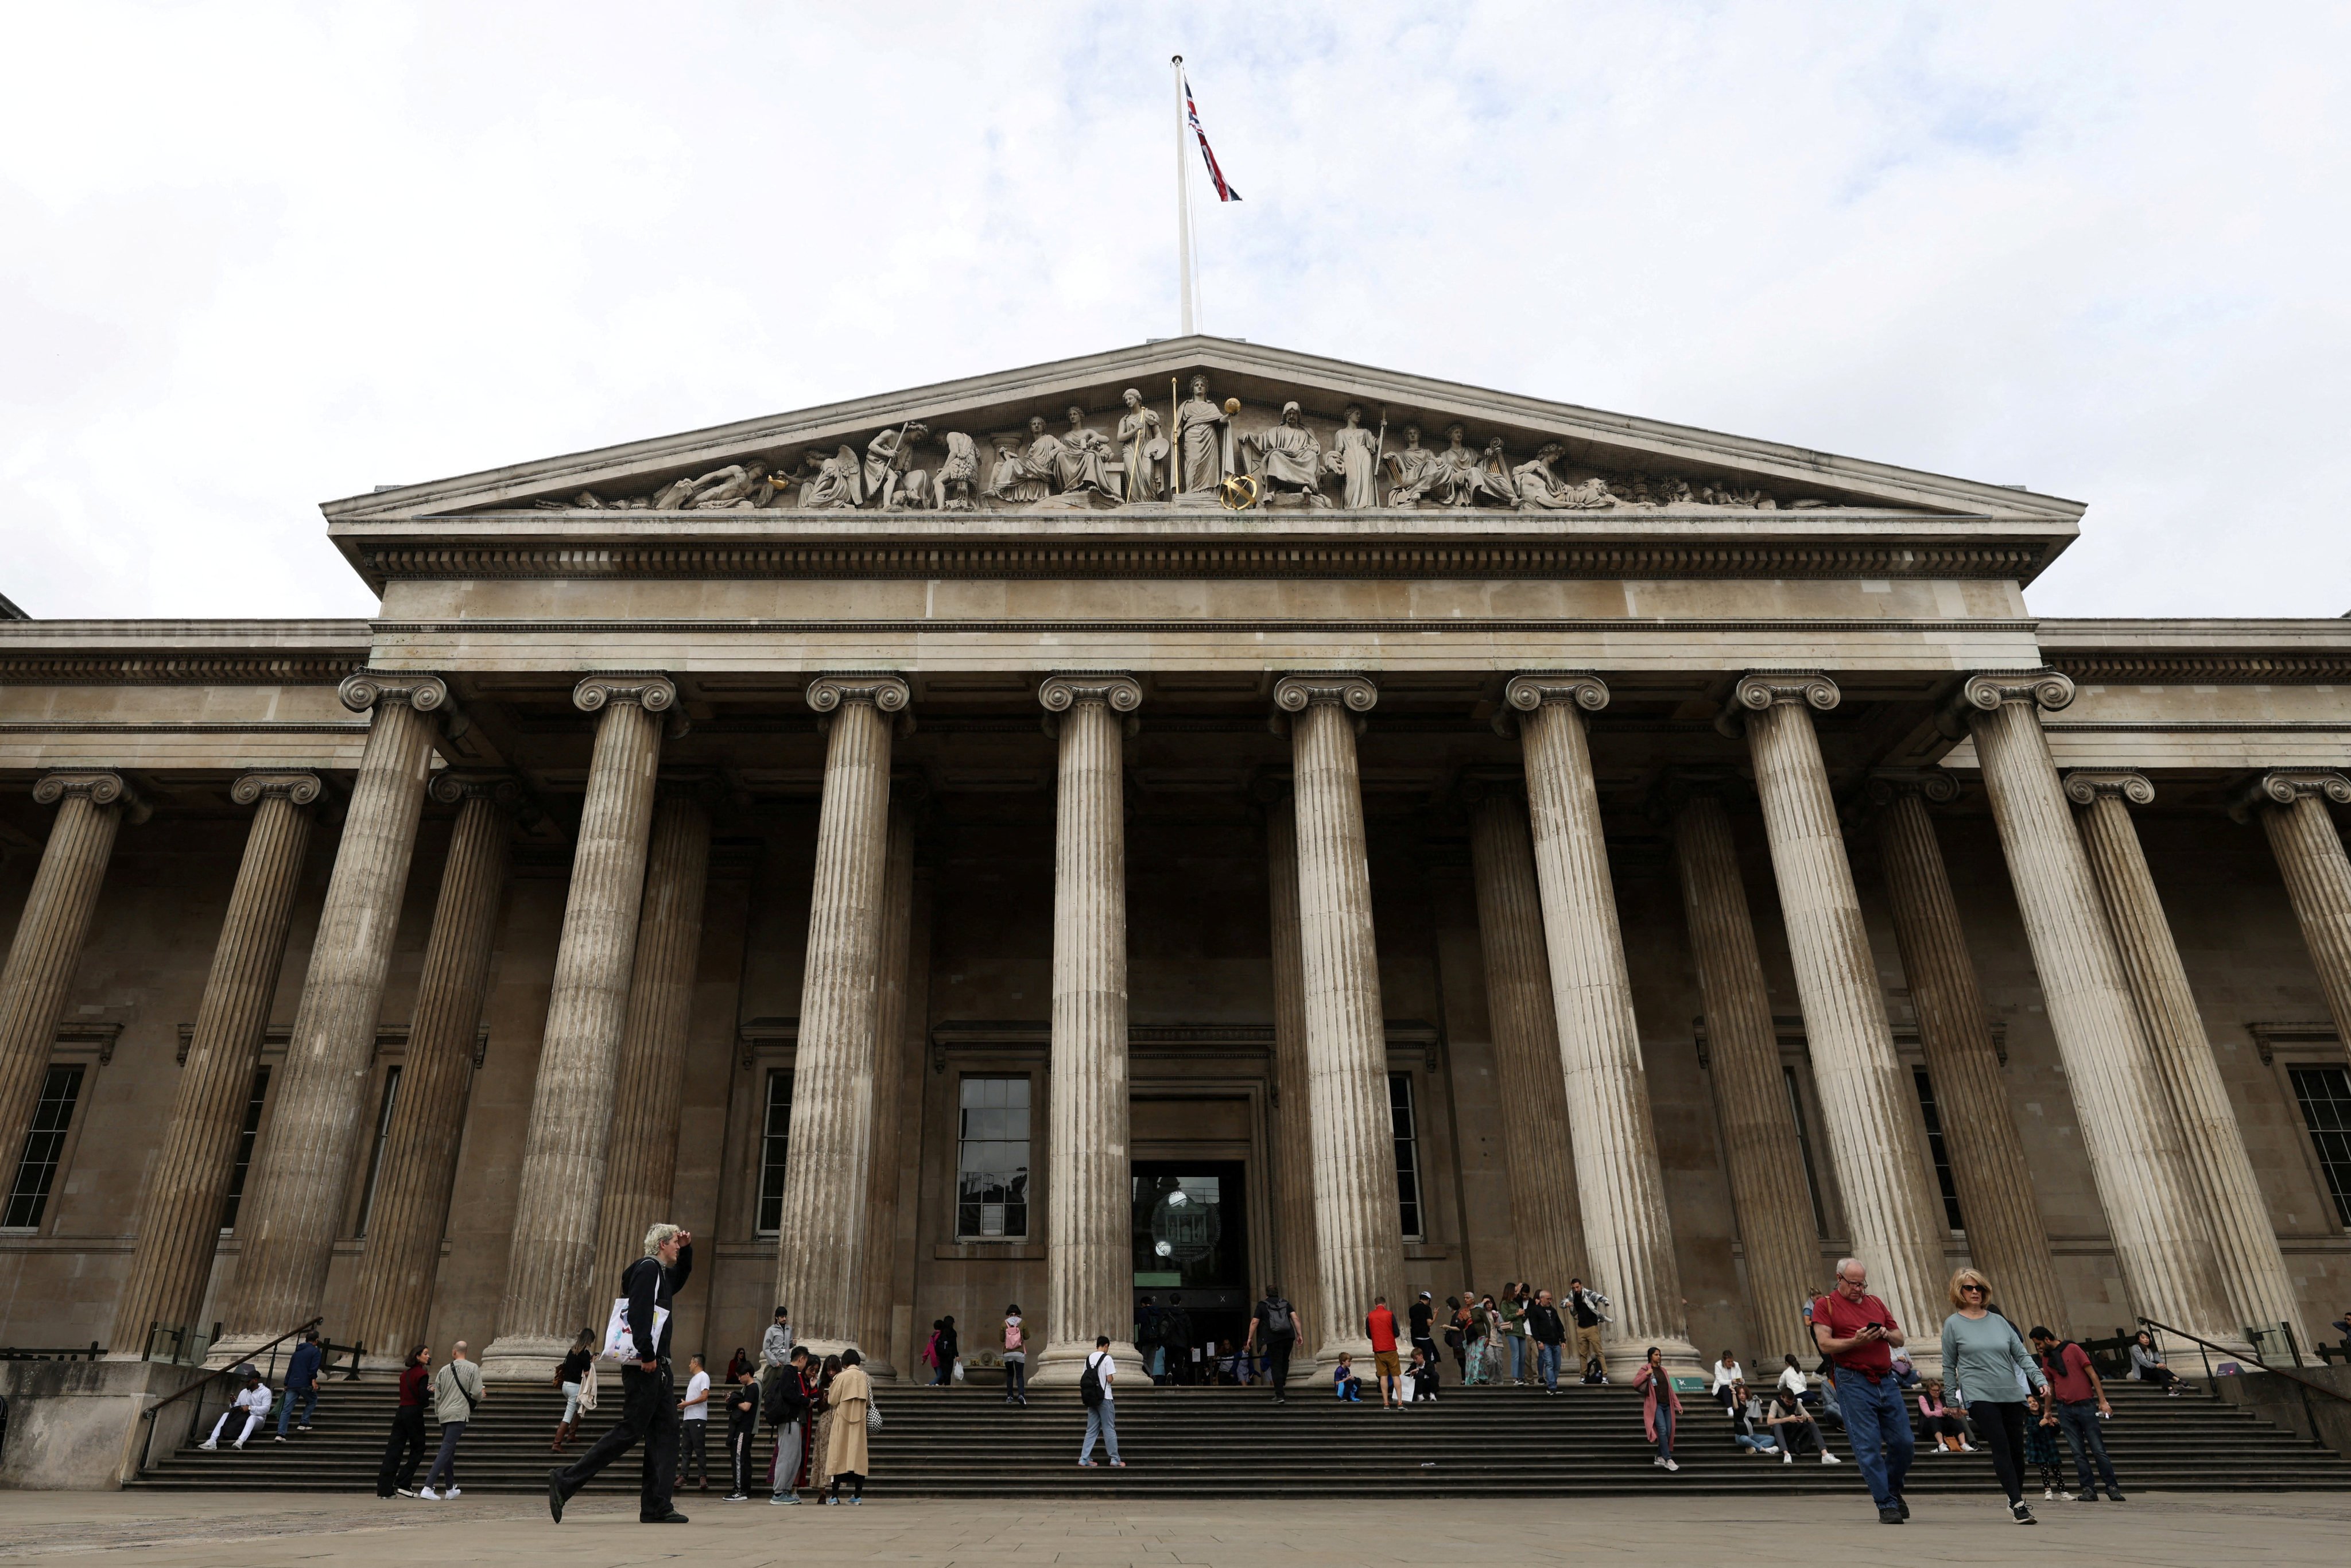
(299, 788)
(101, 789)
(648, 689)
(889, 694)
(1932, 785)
(1060, 693)
(2084, 786)
(1296, 693)
(2284, 786)
(362, 689)
(1761, 690)
(1524, 694)
(2048, 690)
(453, 787)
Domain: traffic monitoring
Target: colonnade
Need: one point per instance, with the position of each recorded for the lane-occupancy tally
(2190, 1234)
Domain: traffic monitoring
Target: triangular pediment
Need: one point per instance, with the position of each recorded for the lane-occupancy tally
(1006, 443)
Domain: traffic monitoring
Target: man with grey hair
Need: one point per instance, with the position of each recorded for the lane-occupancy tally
(1857, 1333)
(649, 1413)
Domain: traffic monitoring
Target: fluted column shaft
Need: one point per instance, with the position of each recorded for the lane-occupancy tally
(1762, 1155)
(2161, 1244)
(2254, 1276)
(821, 1257)
(889, 1090)
(1090, 1218)
(1628, 1235)
(393, 1297)
(1546, 1222)
(1359, 1230)
(293, 1204)
(1294, 1169)
(550, 1267)
(2005, 1236)
(48, 940)
(180, 1218)
(641, 1165)
(2317, 873)
(1892, 1210)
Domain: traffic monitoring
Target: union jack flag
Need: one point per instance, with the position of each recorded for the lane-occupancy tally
(1224, 193)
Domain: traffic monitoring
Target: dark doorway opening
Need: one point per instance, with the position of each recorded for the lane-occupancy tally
(1191, 1251)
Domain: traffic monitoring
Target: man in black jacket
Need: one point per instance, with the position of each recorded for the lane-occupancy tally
(742, 1426)
(648, 1392)
(786, 1410)
(1544, 1327)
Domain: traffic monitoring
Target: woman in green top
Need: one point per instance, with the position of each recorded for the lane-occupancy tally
(1989, 1372)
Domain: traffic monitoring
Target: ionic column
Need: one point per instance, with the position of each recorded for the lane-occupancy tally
(1294, 1165)
(1546, 1223)
(1762, 1155)
(293, 1204)
(649, 1083)
(820, 1262)
(2309, 851)
(1090, 1216)
(2245, 1242)
(49, 936)
(889, 1080)
(550, 1270)
(391, 1300)
(180, 1218)
(2161, 1244)
(1892, 1210)
(2005, 1237)
(1628, 1235)
(1359, 1232)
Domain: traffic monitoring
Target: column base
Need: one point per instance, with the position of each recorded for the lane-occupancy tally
(1621, 1358)
(1359, 1347)
(519, 1357)
(1063, 1362)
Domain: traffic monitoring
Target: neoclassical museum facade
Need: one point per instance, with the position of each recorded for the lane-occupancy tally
(1174, 821)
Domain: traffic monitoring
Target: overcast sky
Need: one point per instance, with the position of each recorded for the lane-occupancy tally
(256, 256)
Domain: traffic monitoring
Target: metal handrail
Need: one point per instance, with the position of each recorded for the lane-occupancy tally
(2306, 1385)
(146, 1446)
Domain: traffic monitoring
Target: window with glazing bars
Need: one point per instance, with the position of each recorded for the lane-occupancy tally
(992, 1159)
(1407, 1153)
(2324, 1095)
(249, 1129)
(45, 1145)
(1936, 1149)
(775, 1138)
(382, 1141)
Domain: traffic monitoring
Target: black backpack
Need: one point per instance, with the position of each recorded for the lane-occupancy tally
(1090, 1388)
(1278, 1319)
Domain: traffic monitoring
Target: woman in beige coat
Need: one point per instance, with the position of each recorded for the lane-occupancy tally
(848, 1400)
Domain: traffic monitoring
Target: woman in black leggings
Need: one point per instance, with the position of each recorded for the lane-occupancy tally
(1989, 1372)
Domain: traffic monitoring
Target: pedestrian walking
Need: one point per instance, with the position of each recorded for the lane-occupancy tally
(1175, 1335)
(1457, 1334)
(950, 1349)
(1274, 1324)
(1514, 1329)
(742, 1429)
(848, 1402)
(1015, 1357)
(648, 1392)
(1587, 1308)
(571, 1375)
(786, 1403)
(1549, 1332)
(251, 1404)
(405, 1449)
(1659, 1406)
(302, 1383)
(1387, 1366)
(2044, 1450)
(1097, 1385)
(693, 1426)
(458, 1392)
(2082, 1405)
(1147, 1341)
(1858, 1332)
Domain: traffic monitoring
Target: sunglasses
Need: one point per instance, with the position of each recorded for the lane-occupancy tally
(1976, 1290)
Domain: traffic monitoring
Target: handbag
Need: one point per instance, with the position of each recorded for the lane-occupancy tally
(872, 1416)
(619, 1344)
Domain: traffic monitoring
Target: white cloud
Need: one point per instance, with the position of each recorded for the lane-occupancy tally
(255, 257)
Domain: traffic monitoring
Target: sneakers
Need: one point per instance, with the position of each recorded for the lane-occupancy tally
(2021, 1513)
(737, 1497)
(1671, 1465)
(1829, 1458)
(280, 1438)
(1118, 1464)
(783, 1499)
(302, 1428)
(408, 1492)
(1889, 1516)
(1786, 1458)
(239, 1445)
(209, 1445)
(429, 1495)
(1966, 1448)
(452, 1493)
(2115, 1495)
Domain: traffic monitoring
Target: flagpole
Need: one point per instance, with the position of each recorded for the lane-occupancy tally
(1183, 200)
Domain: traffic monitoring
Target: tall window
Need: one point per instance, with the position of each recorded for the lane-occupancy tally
(1805, 1147)
(44, 1144)
(1407, 1153)
(1936, 1149)
(2324, 1094)
(992, 1159)
(382, 1140)
(244, 1136)
(775, 1138)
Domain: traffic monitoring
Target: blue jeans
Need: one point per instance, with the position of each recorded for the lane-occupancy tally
(2079, 1422)
(1101, 1421)
(1547, 1364)
(1876, 1416)
(1517, 1357)
(1760, 1445)
(309, 1395)
(1665, 1430)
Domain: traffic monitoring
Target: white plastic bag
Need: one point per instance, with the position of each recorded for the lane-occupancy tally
(619, 1343)
(958, 1374)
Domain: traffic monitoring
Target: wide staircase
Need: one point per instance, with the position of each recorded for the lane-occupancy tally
(1227, 1442)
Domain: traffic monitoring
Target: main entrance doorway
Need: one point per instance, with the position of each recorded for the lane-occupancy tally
(1191, 1251)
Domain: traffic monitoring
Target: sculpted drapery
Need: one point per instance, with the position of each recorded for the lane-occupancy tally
(1139, 445)
(1289, 456)
(1353, 449)
(1200, 426)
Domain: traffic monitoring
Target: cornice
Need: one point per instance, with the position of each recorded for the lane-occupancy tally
(1454, 625)
(2204, 669)
(254, 669)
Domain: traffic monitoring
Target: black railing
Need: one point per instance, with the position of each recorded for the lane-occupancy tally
(2303, 1383)
(93, 1352)
(147, 1443)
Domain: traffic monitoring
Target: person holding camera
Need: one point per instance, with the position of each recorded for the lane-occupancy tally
(1857, 1333)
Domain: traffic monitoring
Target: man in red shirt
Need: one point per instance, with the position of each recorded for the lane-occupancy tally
(1857, 1334)
(1381, 1326)
(2075, 1391)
